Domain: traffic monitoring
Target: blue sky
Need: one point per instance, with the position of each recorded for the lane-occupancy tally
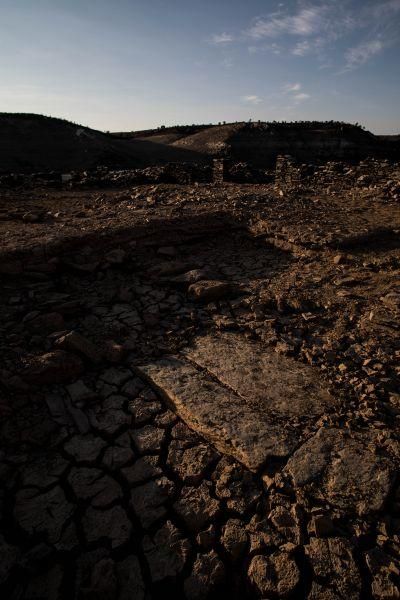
(132, 64)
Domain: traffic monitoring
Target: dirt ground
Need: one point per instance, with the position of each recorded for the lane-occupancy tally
(199, 393)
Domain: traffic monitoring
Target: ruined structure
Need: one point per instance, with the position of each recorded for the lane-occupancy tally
(219, 170)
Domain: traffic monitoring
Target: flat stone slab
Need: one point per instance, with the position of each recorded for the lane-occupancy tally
(343, 468)
(221, 416)
(261, 377)
(242, 397)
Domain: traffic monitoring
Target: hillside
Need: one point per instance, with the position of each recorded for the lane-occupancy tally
(30, 143)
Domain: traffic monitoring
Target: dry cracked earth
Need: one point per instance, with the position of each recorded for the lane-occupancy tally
(199, 394)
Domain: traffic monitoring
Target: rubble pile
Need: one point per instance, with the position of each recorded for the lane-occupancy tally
(338, 177)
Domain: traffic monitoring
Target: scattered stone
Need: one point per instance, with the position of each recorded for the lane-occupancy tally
(321, 526)
(103, 581)
(120, 453)
(45, 513)
(113, 352)
(287, 523)
(208, 538)
(116, 256)
(115, 376)
(341, 466)
(236, 486)
(46, 323)
(44, 471)
(53, 367)
(79, 392)
(130, 580)
(333, 558)
(148, 439)
(191, 464)
(112, 524)
(234, 538)
(75, 342)
(212, 291)
(145, 467)
(92, 484)
(196, 506)
(276, 575)
(166, 552)
(148, 500)
(385, 571)
(208, 574)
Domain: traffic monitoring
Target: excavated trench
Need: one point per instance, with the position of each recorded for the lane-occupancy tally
(153, 442)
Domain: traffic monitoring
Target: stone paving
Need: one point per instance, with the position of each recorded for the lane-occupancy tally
(179, 418)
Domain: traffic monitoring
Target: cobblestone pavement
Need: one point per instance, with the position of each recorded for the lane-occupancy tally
(206, 408)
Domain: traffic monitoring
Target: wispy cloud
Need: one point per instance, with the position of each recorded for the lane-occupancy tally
(252, 99)
(292, 87)
(306, 22)
(222, 38)
(302, 48)
(302, 96)
(313, 28)
(360, 54)
(293, 91)
(317, 25)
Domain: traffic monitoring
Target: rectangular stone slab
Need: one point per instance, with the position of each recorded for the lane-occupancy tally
(218, 414)
(279, 385)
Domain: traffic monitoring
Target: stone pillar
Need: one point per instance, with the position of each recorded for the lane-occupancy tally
(287, 173)
(219, 168)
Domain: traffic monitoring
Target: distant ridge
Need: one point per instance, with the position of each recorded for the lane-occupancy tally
(31, 143)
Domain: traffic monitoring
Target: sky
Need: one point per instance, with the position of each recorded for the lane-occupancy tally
(123, 65)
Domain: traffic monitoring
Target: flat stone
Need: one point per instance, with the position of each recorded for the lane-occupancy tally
(44, 471)
(130, 580)
(207, 575)
(46, 323)
(148, 500)
(103, 580)
(212, 291)
(276, 575)
(115, 376)
(333, 559)
(234, 538)
(43, 513)
(84, 448)
(341, 466)
(94, 485)
(53, 367)
(236, 486)
(196, 506)
(272, 383)
(166, 552)
(75, 342)
(321, 592)
(148, 439)
(146, 467)
(218, 414)
(190, 463)
(120, 453)
(79, 392)
(143, 411)
(112, 524)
